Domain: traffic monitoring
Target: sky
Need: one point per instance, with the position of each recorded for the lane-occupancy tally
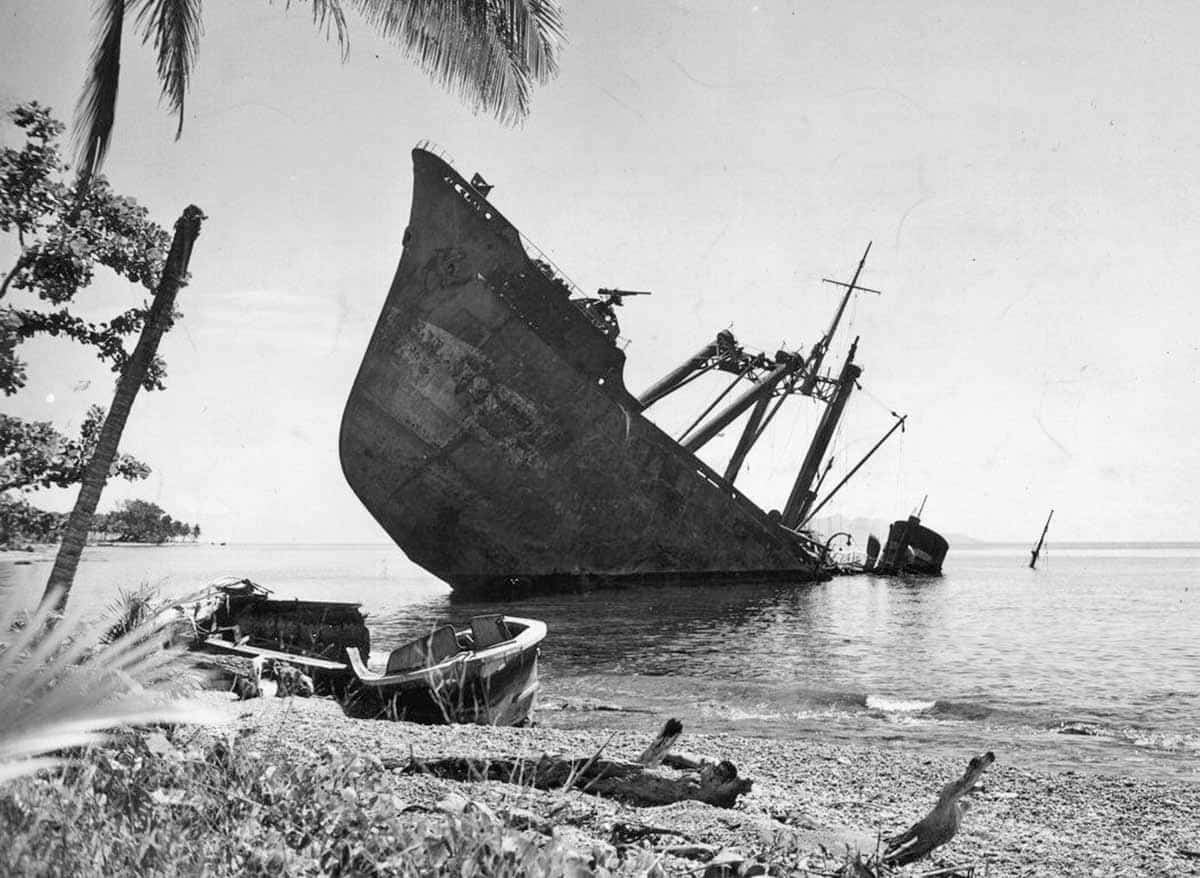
(1027, 178)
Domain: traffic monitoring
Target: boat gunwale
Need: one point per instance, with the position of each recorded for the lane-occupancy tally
(533, 633)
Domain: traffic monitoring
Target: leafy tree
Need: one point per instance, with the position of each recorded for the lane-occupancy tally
(140, 521)
(22, 523)
(490, 52)
(35, 455)
(195, 532)
(63, 232)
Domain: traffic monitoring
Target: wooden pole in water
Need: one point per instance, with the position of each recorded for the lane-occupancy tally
(1033, 556)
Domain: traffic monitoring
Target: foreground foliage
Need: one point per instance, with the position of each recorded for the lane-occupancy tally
(64, 684)
(166, 803)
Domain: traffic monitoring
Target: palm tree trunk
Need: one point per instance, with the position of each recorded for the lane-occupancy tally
(174, 276)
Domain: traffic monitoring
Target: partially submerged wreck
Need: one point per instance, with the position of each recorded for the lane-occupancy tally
(490, 433)
(911, 547)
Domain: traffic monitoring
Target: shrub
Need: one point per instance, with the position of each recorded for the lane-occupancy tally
(158, 803)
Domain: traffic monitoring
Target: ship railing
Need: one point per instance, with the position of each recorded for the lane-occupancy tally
(540, 254)
(526, 241)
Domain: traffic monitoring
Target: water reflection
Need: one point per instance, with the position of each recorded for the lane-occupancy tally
(990, 640)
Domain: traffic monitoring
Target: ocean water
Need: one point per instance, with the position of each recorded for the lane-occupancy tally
(1101, 641)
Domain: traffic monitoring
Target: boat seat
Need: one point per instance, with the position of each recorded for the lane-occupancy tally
(424, 652)
(489, 630)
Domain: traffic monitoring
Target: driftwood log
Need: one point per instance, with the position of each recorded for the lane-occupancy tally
(636, 783)
(940, 825)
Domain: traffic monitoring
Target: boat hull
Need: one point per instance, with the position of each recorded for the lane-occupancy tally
(490, 434)
(493, 686)
(463, 694)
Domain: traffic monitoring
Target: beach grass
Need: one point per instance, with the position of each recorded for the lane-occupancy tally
(169, 802)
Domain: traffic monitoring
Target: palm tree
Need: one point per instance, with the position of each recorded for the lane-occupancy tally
(490, 52)
(95, 474)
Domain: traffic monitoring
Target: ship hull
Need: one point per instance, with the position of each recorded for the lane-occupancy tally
(912, 548)
(489, 431)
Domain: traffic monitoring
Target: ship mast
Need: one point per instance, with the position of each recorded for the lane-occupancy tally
(1037, 550)
(801, 498)
(802, 494)
(789, 372)
(899, 425)
(818, 353)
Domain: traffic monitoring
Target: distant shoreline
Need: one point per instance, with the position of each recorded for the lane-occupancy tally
(1082, 544)
(47, 551)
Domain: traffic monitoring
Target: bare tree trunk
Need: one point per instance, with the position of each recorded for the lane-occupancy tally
(174, 276)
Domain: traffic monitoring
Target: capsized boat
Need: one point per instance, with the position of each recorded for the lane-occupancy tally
(485, 674)
(490, 433)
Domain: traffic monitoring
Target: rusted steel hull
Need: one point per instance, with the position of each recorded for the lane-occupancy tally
(489, 431)
(912, 548)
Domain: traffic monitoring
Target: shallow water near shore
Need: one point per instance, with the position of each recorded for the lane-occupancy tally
(1104, 641)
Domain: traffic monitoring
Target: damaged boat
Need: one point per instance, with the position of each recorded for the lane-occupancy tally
(911, 548)
(242, 617)
(490, 433)
(485, 674)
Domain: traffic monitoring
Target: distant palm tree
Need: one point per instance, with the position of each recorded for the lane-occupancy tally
(489, 51)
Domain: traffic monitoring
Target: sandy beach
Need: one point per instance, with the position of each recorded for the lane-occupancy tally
(808, 796)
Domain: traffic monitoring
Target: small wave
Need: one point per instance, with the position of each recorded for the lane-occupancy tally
(1171, 742)
(968, 710)
(1158, 739)
(734, 713)
(889, 704)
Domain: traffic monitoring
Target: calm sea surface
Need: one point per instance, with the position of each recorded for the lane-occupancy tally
(990, 656)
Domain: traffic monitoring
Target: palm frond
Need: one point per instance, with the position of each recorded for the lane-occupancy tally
(97, 106)
(131, 608)
(174, 27)
(537, 34)
(61, 686)
(488, 51)
(327, 16)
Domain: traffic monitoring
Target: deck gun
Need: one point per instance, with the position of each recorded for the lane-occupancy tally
(615, 297)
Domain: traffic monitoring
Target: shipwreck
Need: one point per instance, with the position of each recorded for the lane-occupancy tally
(490, 433)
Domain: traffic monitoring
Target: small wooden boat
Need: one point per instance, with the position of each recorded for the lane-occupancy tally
(486, 674)
(241, 617)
